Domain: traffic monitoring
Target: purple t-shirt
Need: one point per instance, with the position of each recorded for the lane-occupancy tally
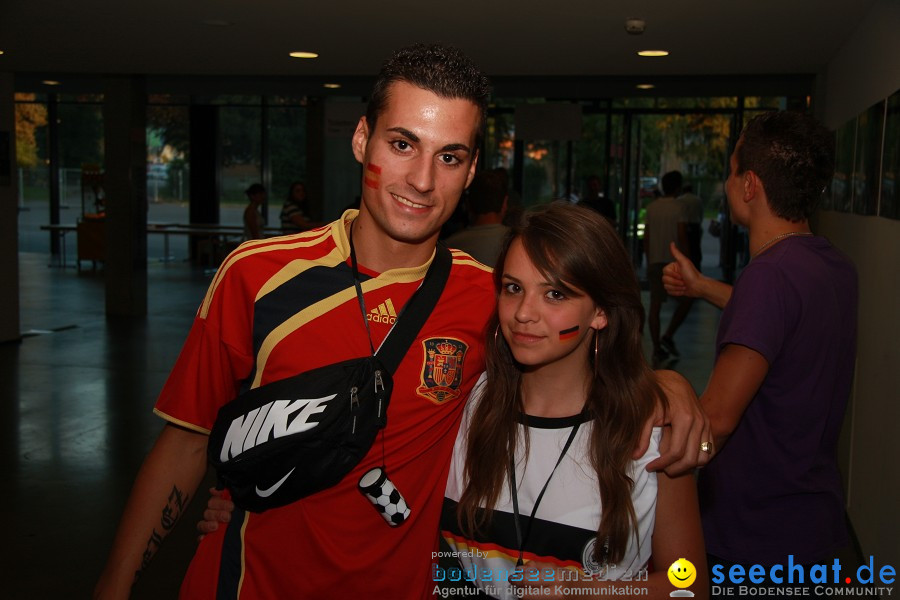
(774, 488)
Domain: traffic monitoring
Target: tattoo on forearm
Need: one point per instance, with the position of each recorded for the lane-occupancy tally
(171, 513)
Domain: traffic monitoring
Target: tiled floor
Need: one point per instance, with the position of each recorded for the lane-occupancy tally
(77, 421)
(76, 418)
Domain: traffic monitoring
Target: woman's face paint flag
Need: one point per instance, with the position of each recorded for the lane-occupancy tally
(568, 334)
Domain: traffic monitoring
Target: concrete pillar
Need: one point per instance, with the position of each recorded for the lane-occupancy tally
(9, 215)
(125, 183)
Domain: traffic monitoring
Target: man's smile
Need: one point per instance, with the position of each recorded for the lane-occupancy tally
(407, 202)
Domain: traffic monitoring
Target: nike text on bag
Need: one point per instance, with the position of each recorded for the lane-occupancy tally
(291, 438)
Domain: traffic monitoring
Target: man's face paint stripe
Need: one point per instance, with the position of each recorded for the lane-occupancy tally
(372, 176)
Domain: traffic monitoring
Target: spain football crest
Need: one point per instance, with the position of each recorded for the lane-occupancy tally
(442, 369)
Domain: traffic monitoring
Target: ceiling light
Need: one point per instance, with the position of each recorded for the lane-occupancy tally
(304, 55)
(645, 86)
(50, 82)
(653, 53)
(1, 51)
(331, 86)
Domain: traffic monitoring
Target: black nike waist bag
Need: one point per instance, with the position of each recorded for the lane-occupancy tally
(288, 439)
(291, 438)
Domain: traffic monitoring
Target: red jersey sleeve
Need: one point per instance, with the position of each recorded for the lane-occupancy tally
(215, 359)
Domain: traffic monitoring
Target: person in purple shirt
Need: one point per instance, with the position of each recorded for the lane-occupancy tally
(785, 355)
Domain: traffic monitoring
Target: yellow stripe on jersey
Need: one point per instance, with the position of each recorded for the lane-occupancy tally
(243, 552)
(179, 422)
(301, 240)
(462, 258)
(296, 267)
(316, 310)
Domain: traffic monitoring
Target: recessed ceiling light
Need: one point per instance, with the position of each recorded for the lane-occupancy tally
(304, 55)
(1, 51)
(645, 86)
(50, 82)
(216, 23)
(331, 86)
(653, 53)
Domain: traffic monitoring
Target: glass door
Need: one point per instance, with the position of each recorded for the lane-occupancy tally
(697, 144)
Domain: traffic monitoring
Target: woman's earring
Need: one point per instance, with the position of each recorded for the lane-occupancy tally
(596, 347)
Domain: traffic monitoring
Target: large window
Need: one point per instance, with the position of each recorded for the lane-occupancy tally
(287, 151)
(80, 122)
(168, 161)
(260, 140)
(240, 158)
(546, 173)
(499, 140)
(627, 142)
(78, 136)
(592, 154)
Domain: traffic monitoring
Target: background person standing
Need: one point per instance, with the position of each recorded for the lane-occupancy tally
(785, 355)
(666, 224)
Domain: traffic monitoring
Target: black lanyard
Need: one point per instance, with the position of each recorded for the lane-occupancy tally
(359, 292)
(515, 494)
(362, 308)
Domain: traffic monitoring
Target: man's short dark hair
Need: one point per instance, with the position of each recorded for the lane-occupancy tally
(671, 183)
(487, 192)
(793, 155)
(442, 70)
(255, 188)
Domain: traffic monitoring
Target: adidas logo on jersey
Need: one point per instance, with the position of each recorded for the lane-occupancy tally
(385, 313)
(270, 421)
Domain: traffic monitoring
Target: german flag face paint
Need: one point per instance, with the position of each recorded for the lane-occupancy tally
(568, 334)
(372, 177)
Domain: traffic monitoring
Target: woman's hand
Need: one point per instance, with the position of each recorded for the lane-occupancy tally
(218, 510)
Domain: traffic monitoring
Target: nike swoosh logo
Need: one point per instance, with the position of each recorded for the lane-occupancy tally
(268, 492)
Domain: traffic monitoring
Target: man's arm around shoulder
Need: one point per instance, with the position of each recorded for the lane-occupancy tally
(685, 427)
(166, 482)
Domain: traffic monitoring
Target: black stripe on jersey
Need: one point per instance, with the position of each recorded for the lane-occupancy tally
(563, 542)
(312, 285)
(552, 422)
(230, 561)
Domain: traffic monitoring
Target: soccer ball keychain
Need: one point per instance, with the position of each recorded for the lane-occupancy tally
(384, 496)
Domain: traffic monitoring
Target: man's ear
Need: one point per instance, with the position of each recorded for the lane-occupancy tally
(752, 185)
(360, 140)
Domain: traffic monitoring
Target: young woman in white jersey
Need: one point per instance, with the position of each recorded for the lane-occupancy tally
(543, 472)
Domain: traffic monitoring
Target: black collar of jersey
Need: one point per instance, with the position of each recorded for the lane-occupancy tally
(552, 422)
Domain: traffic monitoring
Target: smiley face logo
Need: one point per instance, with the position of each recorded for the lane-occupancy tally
(682, 573)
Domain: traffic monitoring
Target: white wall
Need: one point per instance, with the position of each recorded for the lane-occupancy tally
(867, 67)
(864, 71)
(874, 469)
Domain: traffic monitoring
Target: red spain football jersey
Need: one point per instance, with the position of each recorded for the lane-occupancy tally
(287, 305)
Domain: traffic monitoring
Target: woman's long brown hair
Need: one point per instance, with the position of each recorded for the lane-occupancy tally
(573, 247)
